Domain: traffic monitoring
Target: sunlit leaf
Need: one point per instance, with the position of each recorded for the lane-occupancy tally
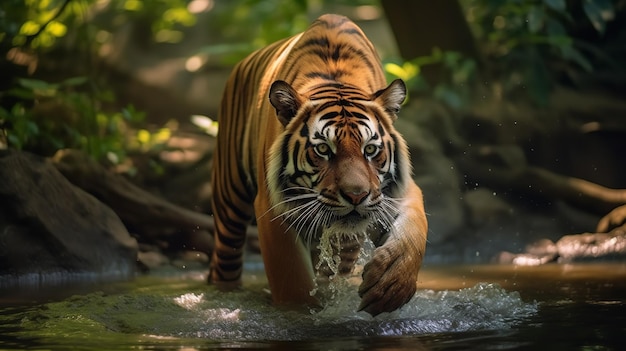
(411, 69)
(29, 28)
(162, 135)
(43, 4)
(405, 72)
(57, 29)
(133, 5)
(180, 15)
(395, 69)
(143, 136)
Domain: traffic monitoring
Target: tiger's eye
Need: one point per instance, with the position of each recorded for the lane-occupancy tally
(370, 150)
(322, 149)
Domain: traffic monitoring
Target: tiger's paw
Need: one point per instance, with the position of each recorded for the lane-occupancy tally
(223, 285)
(226, 286)
(389, 281)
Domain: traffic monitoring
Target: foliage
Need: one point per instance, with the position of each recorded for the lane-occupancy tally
(52, 116)
(247, 25)
(166, 18)
(524, 41)
(37, 24)
(456, 86)
(41, 116)
(524, 37)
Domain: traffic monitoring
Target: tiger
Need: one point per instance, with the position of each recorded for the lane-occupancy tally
(307, 148)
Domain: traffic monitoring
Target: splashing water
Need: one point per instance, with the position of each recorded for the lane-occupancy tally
(157, 309)
(200, 312)
(328, 247)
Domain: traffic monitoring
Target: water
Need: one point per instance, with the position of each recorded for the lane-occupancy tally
(483, 307)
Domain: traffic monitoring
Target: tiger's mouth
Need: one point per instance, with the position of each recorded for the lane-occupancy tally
(354, 215)
(354, 220)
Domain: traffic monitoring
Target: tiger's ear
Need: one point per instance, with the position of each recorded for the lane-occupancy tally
(392, 97)
(285, 100)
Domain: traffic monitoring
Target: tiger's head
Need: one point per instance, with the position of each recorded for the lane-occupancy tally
(339, 163)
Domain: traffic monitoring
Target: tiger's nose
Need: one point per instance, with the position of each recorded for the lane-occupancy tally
(354, 197)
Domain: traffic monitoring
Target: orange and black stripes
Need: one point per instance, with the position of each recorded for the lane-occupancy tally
(307, 144)
(333, 49)
(334, 66)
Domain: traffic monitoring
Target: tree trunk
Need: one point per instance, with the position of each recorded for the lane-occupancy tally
(421, 25)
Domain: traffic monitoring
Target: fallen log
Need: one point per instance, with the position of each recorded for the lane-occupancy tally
(613, 221)
(581, 193)
(136, 207)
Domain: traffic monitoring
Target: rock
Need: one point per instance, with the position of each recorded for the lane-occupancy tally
(437, 177)
(523, 259)
(586, 246)
(152, 259)
(542, 247)
(486, 207)
(49, 227)
(537, 253)
(570, 248)
(149, 215)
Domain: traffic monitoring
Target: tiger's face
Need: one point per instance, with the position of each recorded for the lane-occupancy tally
(339, 164)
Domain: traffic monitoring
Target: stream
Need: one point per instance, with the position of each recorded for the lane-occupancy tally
(457, 307)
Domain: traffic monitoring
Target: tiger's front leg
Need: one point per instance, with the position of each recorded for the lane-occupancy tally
(287, 262)
(390, 277)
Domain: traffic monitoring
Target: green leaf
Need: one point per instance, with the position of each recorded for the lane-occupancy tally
(4, 114)
(599, 13)
(132, 115)
(21, 93)
(535, 19)
(557, 5)
(74, 81)
(575, 56)
(448, 96)
(554, 28)
(36, 84)
(14, 141)
(32, 128)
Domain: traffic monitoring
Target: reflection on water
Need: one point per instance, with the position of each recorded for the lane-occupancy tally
(460, 307)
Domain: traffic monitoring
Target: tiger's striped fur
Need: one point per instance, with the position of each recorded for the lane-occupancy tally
(307, 143)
